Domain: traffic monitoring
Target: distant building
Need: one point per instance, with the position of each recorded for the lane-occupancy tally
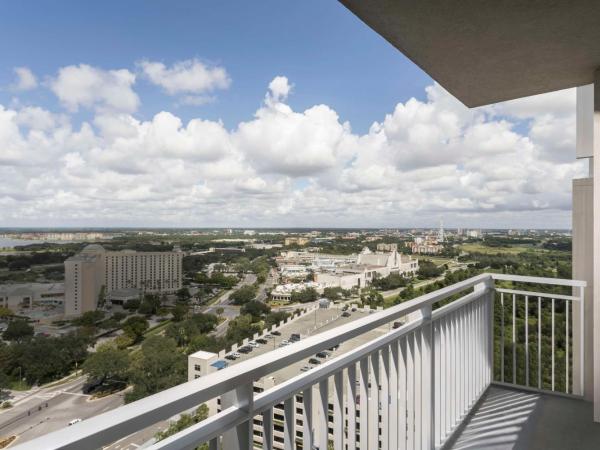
(387, 247)
(426, 247)
(25, 294)
(94, 267)
(297, 240)
(283, 292)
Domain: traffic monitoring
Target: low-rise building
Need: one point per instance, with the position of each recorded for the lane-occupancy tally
(296, 240)
(26, 294)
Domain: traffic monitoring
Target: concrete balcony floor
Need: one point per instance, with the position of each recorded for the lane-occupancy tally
(512, 419)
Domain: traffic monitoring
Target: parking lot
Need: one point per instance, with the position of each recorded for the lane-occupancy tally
(305, 326)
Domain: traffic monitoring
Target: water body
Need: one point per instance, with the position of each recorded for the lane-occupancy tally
(12, 243)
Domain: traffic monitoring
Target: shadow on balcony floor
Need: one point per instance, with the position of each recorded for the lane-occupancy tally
(511, 419)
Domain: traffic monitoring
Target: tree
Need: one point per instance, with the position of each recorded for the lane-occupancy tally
(183, 332)
(179, 311)
(428, 269)
(18, 330)
(107, 363)
(89, 318)
(132, 304)
(244, 294)
(332, 293)
(149, 305)
(5, 312)
(255, 308)
(184, 421)
(4, 382)
(134, 327)
(240, 328)
(220, 310)
(158, 365)
(183, 294)
(305, 296)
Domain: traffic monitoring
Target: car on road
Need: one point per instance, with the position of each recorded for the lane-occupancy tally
(74, 421)
(314, 361)
(346, 314)
(323, 355)
(276, 333)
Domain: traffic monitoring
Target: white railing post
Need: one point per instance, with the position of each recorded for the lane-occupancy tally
(427, 381)
(240, 437)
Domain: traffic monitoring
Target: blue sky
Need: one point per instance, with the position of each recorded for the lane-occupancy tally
(265, 113)
(330, 55)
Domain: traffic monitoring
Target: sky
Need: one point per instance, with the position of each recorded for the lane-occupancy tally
(257, 114)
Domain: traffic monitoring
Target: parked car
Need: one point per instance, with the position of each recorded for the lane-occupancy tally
(236, 354)
(346, 314)
(353, 309)
(261, 341)
(245, 349)
(254, 344)
(285, 342)
(268, 336)
(276, 333)
(305, 368)
(323, 355)
(230, 357)
(334, 348)
(345, 308)
(397, 325)
(314, 361)
(294, 337)
(74, 421)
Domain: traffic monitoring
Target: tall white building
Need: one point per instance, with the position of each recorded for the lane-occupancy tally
(94, 267)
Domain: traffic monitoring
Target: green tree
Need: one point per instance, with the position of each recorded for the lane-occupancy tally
(134, 327)
(332, 293)
(184, 421)
(18, 330)
(132, 304)
(179, 312)
(244, 294)
(89, 318)
(107, 363)
(149, 304)
(158, 365)
(5, 312)
(240, 328)
(305, 296)
(183, 295)
(255, 308)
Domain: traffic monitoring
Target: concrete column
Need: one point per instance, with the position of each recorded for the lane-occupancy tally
(596, 241)
(583, 263)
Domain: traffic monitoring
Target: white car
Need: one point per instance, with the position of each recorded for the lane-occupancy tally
(236, 354)
(74, 421)
(254, 344)
(285, 342)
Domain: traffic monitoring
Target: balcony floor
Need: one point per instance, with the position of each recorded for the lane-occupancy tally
(512, 419)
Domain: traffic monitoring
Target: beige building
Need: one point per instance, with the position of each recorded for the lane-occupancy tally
(94, 267)
(296, 241)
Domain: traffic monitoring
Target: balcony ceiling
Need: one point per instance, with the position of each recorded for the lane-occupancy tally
(487, 51)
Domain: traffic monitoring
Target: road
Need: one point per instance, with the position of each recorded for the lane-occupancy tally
(44, 410)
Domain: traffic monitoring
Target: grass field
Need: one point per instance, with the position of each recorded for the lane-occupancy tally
(511, 250)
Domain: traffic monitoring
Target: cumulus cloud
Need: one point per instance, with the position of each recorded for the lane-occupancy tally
(422, 161)
(25, 81)
(92, 87)
(191, 77)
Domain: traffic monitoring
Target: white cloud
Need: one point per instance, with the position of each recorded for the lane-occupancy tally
(91, 87)
(502, 166)
(186, 77)
(25, 81)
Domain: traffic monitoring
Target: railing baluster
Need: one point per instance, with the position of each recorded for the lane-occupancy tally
(526, 340)
(438, 371)
(539, 352)
(394, 396)
(514, 339)
(213, 444)
(373, 403)
(323, 414)
(410, 391)
(289, 423)
(567, 347)
(402, 394)
(384, 399)
(351, 405)
(553, 344)
(444, 354)
(308, 438)
(364, 401)
(418, 387)
(338, 411)
(502, 337)
(267, 420)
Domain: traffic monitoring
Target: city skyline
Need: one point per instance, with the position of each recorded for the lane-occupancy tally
(194, 133)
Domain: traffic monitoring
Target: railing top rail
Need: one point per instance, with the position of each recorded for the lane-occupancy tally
(534, 294)
(538, 280)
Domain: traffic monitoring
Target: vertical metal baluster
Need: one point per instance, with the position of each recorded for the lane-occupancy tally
(338, 411)
(402, 394)
(502, 337)
(308, 438)
(539, 352)
(394, 396)
(323, 414)
(213, 444)
(553, 344)
(384, 399)
(514, 339)
(289, 423)
(418, 387)
(374, 401)
(267, 419)
(351, 405)
(437, 382)
(526, 340)
(581, 339)
(410, 391)
(364, 401)
(567, 347)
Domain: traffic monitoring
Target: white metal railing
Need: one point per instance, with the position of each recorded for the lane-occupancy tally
(409, 388)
